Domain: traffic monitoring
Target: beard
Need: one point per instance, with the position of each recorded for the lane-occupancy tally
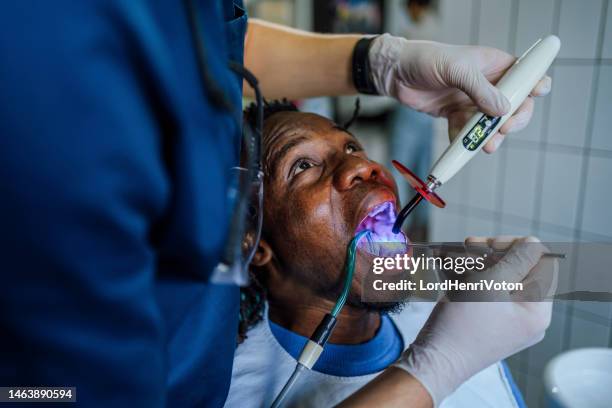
(324, 275)
(374, 307)
(332, 291)
(329, 286)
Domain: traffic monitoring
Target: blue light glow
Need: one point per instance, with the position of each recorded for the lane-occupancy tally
(381, 240)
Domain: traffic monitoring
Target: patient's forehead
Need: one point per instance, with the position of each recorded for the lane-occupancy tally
(284, 128)
(285, 124)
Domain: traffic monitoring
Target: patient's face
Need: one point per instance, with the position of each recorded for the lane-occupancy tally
(319, 187)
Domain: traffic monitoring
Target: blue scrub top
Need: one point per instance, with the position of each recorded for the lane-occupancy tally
(114, 166)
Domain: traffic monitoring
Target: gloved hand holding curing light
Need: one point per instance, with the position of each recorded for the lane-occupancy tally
(447, 80)
(462, 338)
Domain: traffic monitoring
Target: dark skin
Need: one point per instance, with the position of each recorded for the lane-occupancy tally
(319, 185)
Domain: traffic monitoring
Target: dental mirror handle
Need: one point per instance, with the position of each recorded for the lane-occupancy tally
(474, 249)
(516, 84)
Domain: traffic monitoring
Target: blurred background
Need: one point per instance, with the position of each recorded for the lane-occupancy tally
(551, 180)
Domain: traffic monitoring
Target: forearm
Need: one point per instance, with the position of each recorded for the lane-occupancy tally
(297, 64)
(393, 388)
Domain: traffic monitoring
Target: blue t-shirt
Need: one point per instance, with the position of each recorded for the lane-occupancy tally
(349, 360)
(115, 164)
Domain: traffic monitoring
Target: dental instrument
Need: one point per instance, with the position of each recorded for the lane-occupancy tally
(475, 249)
(515, 84)
(314, 346)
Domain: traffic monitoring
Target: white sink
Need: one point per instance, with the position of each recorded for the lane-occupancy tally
(580, 378)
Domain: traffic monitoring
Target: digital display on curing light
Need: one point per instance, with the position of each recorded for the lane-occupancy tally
(480, 131)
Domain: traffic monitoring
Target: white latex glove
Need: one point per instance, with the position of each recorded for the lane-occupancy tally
(462, 338)
(450, 81)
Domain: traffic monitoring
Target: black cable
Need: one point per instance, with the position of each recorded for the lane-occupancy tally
(255, 141)
(355, 114)
(218, 97)
(209, 86)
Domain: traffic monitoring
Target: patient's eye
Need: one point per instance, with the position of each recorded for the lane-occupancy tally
(352, 147)
(300, 165)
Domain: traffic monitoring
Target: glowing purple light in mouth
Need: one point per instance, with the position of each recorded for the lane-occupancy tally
(382, 241)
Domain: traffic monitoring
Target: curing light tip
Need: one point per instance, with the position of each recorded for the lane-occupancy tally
(401, 217)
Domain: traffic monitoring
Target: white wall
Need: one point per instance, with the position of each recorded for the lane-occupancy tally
(552, 180)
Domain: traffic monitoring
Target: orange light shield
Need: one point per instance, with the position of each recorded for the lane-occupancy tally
(419, 185)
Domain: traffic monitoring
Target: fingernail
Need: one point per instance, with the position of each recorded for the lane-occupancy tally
(520, 120)
(497, 141)
(547, 86)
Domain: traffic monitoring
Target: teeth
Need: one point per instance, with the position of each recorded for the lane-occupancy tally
(370, 243)
(378, 209)
(384, 207)
(382, 241)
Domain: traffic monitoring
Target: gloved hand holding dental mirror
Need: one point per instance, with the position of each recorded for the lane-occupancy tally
(467, 333)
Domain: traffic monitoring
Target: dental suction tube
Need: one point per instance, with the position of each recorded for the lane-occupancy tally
(516, 84)
(316, 343)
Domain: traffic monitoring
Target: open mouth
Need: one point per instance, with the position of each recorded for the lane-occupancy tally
(381, 241)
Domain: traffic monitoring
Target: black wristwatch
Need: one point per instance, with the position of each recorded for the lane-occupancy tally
(362, 75)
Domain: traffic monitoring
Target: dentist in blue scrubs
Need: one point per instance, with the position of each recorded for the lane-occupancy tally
(115, 157)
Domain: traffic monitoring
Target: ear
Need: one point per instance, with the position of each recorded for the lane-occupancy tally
(263, 254)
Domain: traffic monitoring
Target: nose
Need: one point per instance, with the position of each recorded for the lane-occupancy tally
(355, 170)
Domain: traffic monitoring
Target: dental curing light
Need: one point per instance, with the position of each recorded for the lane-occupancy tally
(516, 84)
